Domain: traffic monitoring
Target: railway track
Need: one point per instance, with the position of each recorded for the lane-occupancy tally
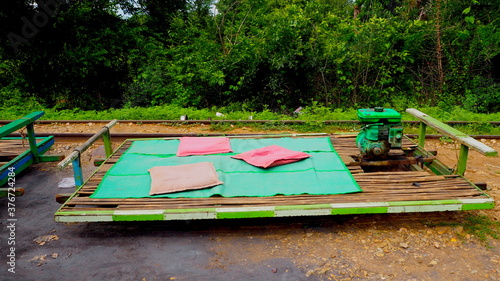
(287, 122)
(67, 137)
(122, 136)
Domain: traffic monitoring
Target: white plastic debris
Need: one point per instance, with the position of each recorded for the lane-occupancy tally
(218, 114)
(67, 183)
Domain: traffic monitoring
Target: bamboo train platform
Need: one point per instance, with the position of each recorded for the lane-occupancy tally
(18, 153)
(16, 156)
(11, 148)
(412, 180)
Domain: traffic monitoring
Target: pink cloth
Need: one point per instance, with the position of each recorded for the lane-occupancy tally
(271, 156)
(168, 179)
(203, 145)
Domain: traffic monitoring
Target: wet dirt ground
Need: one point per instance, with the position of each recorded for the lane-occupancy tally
(418, 246)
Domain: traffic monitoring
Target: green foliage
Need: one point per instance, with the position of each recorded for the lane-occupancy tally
(445, 140)
(317, 112)
(274, 126)
(221, 127)
(181, 71)
(79, 58)
(482, 227)
(17, 105)
(273, 55)
(485, 99)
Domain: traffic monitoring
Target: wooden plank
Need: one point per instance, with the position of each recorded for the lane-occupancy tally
(8, 192)
(395, 191)
(391, 162)
(24, 159)
(12, 147)
(20, 123)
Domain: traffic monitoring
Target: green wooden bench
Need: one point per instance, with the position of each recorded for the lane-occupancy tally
(32, 155)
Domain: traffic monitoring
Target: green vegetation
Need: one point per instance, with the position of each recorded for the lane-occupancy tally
(480, 226)
(312, 117)
(445, 139)
(265, 56)
(173, 112)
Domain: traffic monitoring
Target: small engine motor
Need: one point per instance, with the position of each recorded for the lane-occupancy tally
(381, 131)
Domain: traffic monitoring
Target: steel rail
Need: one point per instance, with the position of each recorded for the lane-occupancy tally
(206, 122)
(175, 135)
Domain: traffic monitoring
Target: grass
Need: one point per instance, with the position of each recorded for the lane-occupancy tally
(445, 139)
(311, 116)
(480, 226)
(221, 127)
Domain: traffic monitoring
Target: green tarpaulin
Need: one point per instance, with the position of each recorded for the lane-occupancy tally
(322, 173)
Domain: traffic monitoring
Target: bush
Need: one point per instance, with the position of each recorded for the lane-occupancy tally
(483, 99)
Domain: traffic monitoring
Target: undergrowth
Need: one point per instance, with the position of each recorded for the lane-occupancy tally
(312, 117)
(480, 226)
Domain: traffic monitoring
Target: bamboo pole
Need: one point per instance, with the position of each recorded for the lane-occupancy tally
(74, 157)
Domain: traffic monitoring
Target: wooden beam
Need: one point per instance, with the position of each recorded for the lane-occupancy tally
(61, 198)
(4, 192)
(66, 161)
(20, 123)
(82, 148)
(421, 134)
(94, 138)
(392, 162)
(453, 133)
(462, 159)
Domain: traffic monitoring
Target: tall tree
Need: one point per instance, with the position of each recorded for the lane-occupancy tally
(161, 12)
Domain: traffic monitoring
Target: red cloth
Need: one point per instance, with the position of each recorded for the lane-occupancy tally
(203, 145)
(270, 156)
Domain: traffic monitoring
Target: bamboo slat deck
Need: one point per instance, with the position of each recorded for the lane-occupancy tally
(11, 148)
(15, 153)
(383, 192)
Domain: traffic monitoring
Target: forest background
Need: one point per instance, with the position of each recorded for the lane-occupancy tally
(249, 55)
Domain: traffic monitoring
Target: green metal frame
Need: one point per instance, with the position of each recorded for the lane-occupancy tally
(277, 211)
(436, 166)
(32, 155)
(465, 141)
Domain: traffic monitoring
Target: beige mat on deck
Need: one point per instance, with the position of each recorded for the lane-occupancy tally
(168, 179)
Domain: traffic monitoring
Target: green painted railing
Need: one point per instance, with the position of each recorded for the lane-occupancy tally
(36, 154)
(27, 121)
(74, 157)
(465, 141)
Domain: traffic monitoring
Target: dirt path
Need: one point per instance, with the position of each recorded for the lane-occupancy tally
(421, 246)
